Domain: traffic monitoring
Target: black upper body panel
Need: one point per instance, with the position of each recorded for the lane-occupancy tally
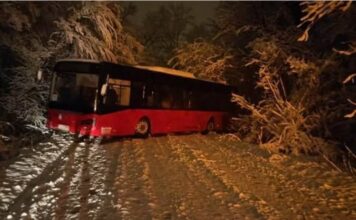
(133, 73)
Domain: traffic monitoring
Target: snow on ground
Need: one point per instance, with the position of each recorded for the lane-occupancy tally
(97, 171)
(170, 177)
(73, 202)
(28, 166)
(44, 203)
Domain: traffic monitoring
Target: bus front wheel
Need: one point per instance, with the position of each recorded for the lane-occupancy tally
(143, 128)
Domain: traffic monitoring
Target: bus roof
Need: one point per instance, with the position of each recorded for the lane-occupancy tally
(166, 70)
(156, 70)
(78, 60)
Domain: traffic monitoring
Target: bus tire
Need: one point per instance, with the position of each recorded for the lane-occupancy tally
(142, 128)
(77, 138)
(98, 140)
(210, 126)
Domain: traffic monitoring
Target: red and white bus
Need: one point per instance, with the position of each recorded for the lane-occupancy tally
(99, 99)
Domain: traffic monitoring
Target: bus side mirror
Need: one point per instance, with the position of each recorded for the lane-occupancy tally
(39, 75)
(103, 90)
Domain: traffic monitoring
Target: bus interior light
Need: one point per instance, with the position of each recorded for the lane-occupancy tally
(103, 90)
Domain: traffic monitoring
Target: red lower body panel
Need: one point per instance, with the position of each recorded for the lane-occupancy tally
(123, 123)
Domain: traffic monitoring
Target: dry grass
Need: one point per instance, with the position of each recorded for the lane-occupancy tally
(280, 126)
(315, 10)
(281, 122)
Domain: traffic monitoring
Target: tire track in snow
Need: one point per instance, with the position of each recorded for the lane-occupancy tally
(84, 186)
(264, 210)
(302, 186)
(217, 187)
(169, 177)
(132, 201)
(73, 200)
(148, 182)
(102, 166)
(179, 194)
(67, 175)
(106, 197)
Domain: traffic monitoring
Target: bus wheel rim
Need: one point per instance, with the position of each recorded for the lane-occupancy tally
(142, 127)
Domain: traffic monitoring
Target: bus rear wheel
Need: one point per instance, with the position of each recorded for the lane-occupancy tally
(143, 128)
(210, 127)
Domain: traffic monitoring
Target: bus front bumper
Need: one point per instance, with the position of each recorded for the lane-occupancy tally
(74, 123)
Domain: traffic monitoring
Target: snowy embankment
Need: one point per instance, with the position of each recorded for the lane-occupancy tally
(22, 173)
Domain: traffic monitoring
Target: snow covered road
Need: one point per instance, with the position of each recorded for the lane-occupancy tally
(170, 177)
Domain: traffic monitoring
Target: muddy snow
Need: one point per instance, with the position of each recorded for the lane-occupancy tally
(170, 177)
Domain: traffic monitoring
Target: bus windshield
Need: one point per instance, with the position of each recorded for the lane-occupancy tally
(75, 91)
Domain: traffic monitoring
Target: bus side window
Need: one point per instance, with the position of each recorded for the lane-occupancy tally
(178, 98)
(112, 96)
(119, 92)
(166, 97)
(188, 96)
(138, 94)
(125, 90)
(195, 99)
(150, 95)
(206, 99)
